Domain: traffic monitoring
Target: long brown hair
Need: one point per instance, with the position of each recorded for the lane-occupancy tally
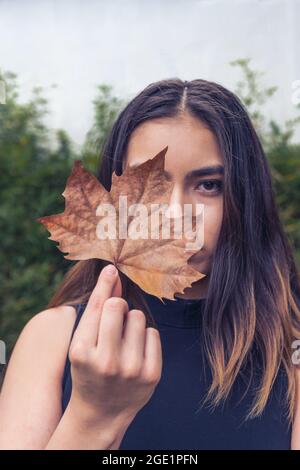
(254, 290)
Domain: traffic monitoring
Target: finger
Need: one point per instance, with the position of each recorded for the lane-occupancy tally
(111, 327)
(134, 339)
(117, 287)
(152, 366)
(107, 284)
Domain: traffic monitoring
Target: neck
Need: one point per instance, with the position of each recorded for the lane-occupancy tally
(197, 291)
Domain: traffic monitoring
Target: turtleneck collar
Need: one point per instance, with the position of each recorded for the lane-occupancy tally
(179, 313)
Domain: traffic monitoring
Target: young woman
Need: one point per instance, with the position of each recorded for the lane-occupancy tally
(107, 366)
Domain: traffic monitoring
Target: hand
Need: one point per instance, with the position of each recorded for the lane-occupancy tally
(116, 360)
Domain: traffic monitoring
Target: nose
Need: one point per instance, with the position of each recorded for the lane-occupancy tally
(176, 203)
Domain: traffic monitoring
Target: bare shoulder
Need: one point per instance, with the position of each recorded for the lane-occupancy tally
(49, 326)
(47, 329)
(64, 314)
(56, 319)
(47, 334)
(31, 391)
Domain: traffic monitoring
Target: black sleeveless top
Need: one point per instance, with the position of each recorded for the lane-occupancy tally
(173, 418)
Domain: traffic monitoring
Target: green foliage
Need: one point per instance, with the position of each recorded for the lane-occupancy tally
(106, 109)
(32, 178)
(252, 94)
(285, 163)
(255, 95)
(283, 155)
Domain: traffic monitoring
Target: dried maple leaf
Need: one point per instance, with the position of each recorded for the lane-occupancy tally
(158, 266)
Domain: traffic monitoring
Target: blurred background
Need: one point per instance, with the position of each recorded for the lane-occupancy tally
(67, 68)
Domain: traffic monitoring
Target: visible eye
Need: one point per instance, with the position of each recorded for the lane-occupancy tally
(209, 186)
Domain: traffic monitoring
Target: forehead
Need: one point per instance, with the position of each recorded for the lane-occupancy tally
(190, 143)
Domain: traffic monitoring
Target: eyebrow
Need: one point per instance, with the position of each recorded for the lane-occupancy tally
(204, 171)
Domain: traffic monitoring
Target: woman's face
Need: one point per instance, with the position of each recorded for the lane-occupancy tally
(192, 147)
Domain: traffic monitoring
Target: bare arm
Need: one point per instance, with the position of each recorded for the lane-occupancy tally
(30, 398)
(74, 433)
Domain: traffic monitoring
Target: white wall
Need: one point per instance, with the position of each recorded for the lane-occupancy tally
(130, 43)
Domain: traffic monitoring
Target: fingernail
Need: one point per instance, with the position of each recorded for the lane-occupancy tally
(111, 270)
